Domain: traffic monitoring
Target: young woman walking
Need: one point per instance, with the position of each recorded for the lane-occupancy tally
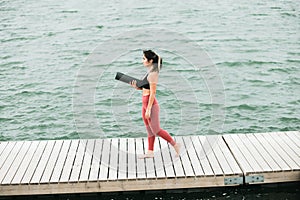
(150, 108)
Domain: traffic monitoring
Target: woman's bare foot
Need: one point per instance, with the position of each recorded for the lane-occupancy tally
(177, 149)
(149, 154)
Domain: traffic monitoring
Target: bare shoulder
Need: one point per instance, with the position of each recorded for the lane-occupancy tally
(153, 77)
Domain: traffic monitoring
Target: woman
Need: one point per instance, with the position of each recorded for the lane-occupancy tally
(150, 109)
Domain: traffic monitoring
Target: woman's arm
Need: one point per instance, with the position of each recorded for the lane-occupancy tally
(153, 79)
(133, 84)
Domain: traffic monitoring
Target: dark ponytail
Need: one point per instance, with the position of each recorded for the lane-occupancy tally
(151, 55)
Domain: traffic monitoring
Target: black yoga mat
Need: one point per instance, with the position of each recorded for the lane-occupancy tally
(127, 79)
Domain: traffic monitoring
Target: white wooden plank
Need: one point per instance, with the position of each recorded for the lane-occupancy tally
(131, 159)
(114, 157)
(87, 161)
(193, 156)
(256, 154)
(237, 153)
(15, 163)
(52, 161)
(62, 157)
(272, 152)
(2, 147)
(95, 166)
(263, 152)
(25, 163)
(122, 170)
(291, 163)
(243, 146)
(187, 166)
(214, 142)
(167, 160)
(296, 134)
(105, 154)
(43, 162)
(289, 147)
(292, 143)
(141, 168)
(150, 170)
(5, 168)
(229, 157)
(294, 140)
(177, 164)
(207, 169)
(210, 154)
(158, 160)
(34, 163)
(74, 177)
(66, 172)
(6, 152)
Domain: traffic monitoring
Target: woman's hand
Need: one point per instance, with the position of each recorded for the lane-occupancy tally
(133, 84)
(148, 113)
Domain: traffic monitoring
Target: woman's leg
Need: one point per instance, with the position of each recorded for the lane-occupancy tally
(151, 135)
(166, 136)
(154, 124)
(151, 138)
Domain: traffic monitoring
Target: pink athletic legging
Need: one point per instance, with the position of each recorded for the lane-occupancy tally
(152, 124)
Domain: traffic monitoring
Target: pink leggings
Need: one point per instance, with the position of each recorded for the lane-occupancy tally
(152, 124)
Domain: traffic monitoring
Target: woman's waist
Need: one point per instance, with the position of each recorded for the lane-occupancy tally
(147, 97)
(146, 92)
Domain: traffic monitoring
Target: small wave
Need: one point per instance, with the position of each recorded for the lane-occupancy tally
(69, 11)
(281, 69)
(13, 63)
(2, 9)
(296, 102)
(5, 119)
(296, 128)
(259, 14)
(293, 81)
(293, 53)
(100, 26)
(5, 57)
(76, 29)
(255, 81)
(18, 39)
(143, 8)
(275, 8)
(243, 107)
(252, 50)
(289, 14)
(66, 136)
(31, 93)
(3, 106)
(254, 62)
(227, 40)
(50, 34)
(27, 85)
(251, 129)
(247, 63)
(290, 120)
(293, 61)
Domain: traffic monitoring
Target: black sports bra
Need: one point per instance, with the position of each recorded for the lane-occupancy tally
(145, 83)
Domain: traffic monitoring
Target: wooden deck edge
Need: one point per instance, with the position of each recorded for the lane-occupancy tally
(277, 177)
(112, 186)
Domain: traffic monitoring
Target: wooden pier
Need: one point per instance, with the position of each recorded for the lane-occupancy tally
(105, 165)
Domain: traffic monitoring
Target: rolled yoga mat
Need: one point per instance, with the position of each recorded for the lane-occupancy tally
(127, 79)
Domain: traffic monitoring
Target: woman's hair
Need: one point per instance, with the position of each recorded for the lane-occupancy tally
(151, 55)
